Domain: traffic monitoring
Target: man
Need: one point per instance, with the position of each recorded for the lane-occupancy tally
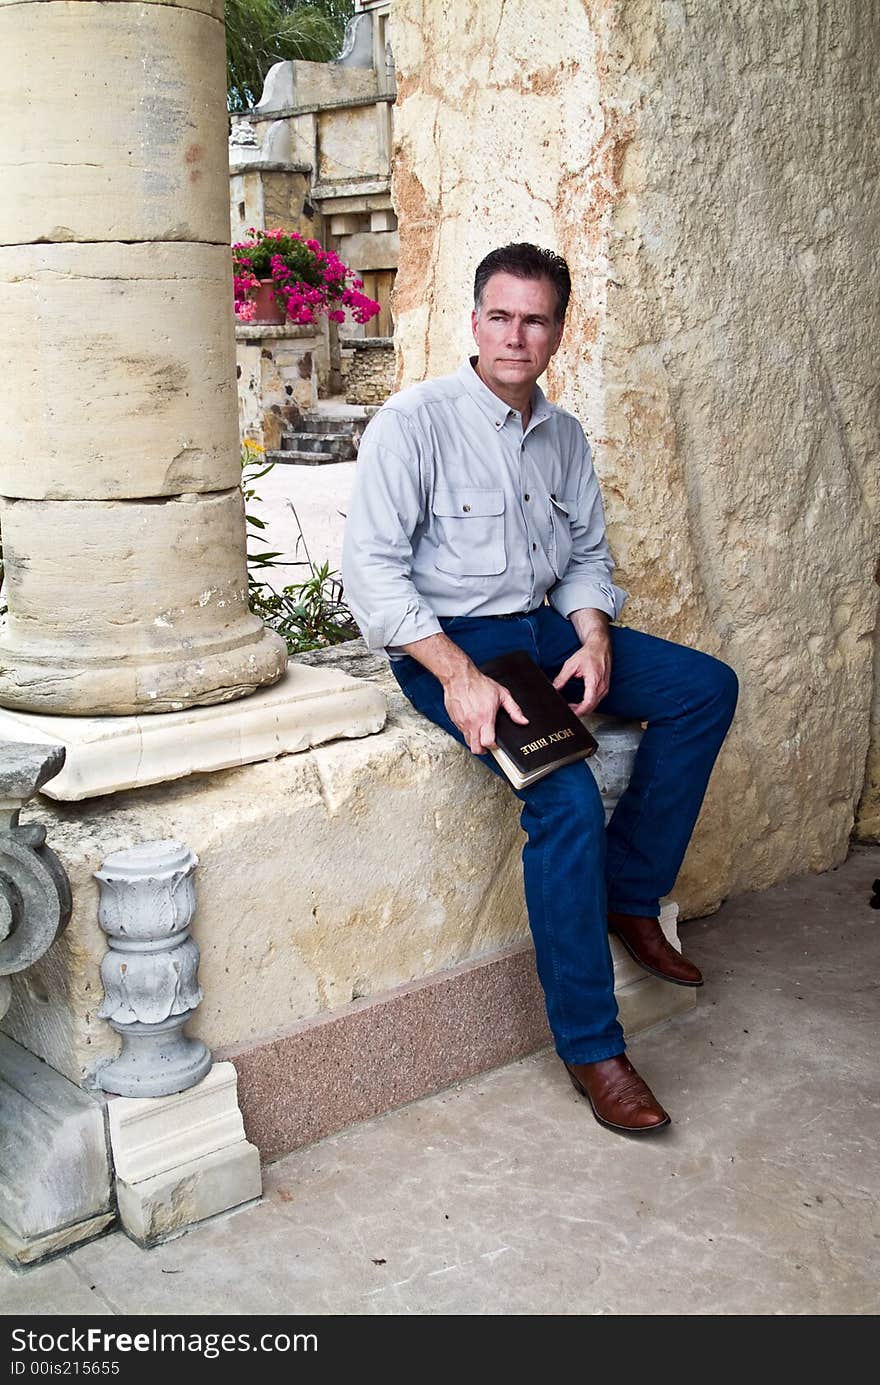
(475, 500)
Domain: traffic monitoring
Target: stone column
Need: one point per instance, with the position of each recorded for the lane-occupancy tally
(121, 514)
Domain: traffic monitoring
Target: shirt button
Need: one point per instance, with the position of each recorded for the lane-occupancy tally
(534, 548)
(527, 496)
(467, 509)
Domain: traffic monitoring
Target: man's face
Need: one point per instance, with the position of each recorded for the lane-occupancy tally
(516, 333)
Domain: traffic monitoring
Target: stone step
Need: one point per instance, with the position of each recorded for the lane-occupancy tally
(327, 423)
(295, 457)
(341, 446)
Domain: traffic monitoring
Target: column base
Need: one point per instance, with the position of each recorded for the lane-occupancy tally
(47, 687)
(156, 1059)
(307, 707)
(181, 1158)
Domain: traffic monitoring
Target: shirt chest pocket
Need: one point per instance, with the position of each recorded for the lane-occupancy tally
(560, 545)
(469, 529)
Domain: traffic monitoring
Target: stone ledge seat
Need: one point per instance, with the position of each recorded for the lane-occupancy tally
(390, 1045)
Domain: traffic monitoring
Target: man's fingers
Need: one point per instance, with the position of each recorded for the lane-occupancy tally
(513, 709)
(486, 737)
(591, 698)
(565, 673)
(596, 684)
(477, 724)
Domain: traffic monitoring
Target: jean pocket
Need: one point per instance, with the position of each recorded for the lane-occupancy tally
(470, 531)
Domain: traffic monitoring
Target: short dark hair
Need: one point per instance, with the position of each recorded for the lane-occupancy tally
(526, 262)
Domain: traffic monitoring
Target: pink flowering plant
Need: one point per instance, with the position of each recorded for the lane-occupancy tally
(307, 280)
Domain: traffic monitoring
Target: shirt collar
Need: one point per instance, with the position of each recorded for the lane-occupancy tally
(491, 405)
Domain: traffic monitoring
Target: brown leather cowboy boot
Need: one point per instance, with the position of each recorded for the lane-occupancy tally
(619, 1098)
(647, 944)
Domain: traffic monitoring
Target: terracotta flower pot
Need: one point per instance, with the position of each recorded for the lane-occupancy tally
(268, 313)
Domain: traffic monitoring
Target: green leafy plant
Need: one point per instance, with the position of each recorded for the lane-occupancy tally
(307, 615)
(311, 614)
(253, 466)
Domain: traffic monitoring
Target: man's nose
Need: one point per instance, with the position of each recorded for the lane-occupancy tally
(514, 332)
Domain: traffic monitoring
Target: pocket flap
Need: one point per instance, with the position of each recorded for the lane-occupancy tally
(467, 502)
(562, 507)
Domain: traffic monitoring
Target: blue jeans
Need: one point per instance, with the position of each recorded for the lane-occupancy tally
(574, 868)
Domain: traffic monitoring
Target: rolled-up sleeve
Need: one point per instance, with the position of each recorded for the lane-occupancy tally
(386, 507)
(586, 582)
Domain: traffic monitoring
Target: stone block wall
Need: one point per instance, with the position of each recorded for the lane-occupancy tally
(266, 196)
(370, 373)
(277, 370)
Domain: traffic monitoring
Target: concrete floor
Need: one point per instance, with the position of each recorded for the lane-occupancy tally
(502, 1196)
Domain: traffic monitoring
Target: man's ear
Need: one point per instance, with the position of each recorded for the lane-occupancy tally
(474, 320)
(559, 330)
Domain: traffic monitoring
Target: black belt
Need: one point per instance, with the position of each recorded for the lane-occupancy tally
(512, 615)
(506, 615)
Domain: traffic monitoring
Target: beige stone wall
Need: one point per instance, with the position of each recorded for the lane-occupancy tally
(301, 83)
(348, 145)
(705, 169)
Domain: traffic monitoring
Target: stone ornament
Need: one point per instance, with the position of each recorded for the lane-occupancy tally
(35, 900)
(150, 974)
(242, 136)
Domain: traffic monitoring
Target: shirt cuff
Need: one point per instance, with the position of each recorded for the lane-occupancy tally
(393, 630)
(576, 594)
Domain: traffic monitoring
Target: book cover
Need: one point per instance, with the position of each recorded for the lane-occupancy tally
(554, 736)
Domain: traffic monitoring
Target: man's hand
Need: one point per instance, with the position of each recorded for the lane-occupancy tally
(472, 700)
(592, 662)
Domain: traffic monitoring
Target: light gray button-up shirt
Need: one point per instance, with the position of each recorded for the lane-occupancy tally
(456, 511)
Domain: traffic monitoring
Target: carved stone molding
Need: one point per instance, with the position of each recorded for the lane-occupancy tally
(34, 890)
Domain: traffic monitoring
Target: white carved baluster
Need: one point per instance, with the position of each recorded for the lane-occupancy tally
(613, 762)
(150, 974)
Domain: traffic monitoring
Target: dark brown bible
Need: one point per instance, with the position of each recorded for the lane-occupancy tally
(555, 736)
